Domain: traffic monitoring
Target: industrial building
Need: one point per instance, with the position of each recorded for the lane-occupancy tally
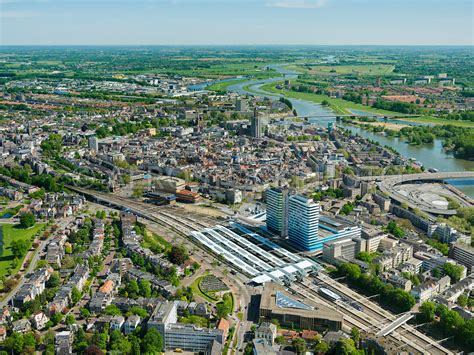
(291, 311)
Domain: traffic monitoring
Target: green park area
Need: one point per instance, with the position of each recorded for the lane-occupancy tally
(339, 106)
(12, 258)
(222, 86)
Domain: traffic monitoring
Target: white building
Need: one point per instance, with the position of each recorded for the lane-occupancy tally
(303, 220)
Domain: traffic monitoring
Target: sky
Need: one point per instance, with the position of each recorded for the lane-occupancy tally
(236, 22)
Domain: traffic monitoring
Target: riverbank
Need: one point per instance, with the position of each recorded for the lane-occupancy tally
(223, 85)
(439, 121)
(339, 106)
(385, 125)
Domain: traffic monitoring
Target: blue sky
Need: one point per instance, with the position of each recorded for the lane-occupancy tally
(391, 22)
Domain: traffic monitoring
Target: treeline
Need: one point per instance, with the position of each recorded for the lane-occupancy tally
(458, 140)
(353, 97)
(286, 102)
(419, 135)
(460, 116)
(393, 298)
(15, 107)
(402, 107)
(449, 324)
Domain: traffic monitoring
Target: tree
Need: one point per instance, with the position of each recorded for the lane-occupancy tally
(52, 145)
(299, 345)
(321, 348)
(346, 347)
(178, 255)
(75, 295)
(427, 311)
(85, 312)
(462, 300)
(352, 271)
(120, 342)
(138, 311)
(54, 280)
(355, 336)
(280, 339)
(393, 228)
(453, 271)
(152, 341)
(112, 310)
(138, 191)
(133, 289)
(14, 343)
(70, 319)
(145, 288)
(19, 248)
(93, 350)
(27, 220)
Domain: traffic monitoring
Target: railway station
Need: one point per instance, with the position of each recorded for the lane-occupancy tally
(259, 258)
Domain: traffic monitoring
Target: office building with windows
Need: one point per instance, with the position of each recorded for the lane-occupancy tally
(303, 220)
(277, 211)
(256, 125)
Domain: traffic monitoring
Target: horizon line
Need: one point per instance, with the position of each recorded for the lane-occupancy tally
(236, 45)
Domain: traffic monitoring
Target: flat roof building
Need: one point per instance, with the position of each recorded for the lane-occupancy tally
(290, 310)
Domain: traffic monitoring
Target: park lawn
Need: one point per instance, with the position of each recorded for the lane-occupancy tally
(8, 234)
(338, 105)
(224, 85)
(440, 121)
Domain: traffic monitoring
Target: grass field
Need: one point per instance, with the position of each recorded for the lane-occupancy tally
(9, 233)
(360, 69)
(440, 121)
(224, 85)
(338, 105)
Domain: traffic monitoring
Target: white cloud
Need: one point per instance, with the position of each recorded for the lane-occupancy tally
(297, 4)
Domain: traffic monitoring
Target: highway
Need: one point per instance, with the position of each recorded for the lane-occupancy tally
(371, 316)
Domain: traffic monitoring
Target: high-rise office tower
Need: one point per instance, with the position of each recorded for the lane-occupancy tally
(256, 125)
(277, 210)
(93, 143)
(303, 220)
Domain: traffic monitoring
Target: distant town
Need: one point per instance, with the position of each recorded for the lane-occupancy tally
(247, 200)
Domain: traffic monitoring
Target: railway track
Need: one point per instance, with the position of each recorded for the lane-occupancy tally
(380, 316)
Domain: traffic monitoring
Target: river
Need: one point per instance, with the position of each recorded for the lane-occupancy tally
(430, 155)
